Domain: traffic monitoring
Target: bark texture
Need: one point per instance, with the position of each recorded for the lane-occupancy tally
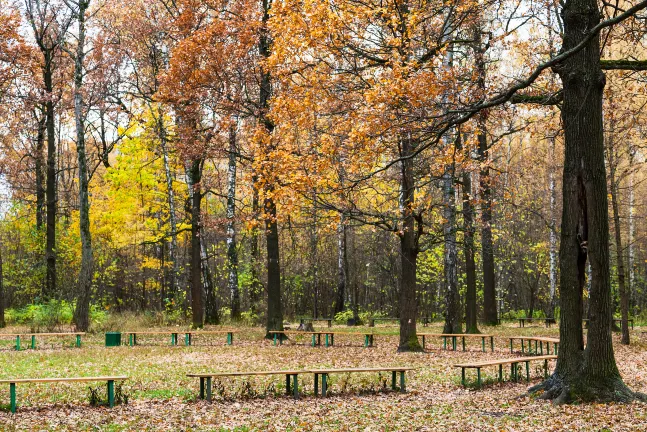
(584, 373)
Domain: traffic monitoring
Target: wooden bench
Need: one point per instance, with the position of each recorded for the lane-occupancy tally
(371, 321)
(538, 341)
(302, 320)
(547, 321)
(454, 337)
(316, 336)
(513, 362)
(205, 380)
(33, 336)
(325, 372)
(629, 321)
(110, 380)
(132, 336)
(188, 336)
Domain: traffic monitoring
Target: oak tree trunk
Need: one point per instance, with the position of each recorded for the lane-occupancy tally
(582, 373)
(82, 311)
(471, 325)
(622, 288)
(407, 296)
(197, 294)
(274, 306)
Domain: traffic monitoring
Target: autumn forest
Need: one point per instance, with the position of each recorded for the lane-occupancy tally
(255, 163)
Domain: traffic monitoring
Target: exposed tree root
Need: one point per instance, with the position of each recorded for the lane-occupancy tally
(585, 389)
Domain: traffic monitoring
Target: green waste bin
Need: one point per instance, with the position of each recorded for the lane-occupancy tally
(113, 339)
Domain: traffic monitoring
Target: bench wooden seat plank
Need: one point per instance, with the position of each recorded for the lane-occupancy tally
(205, 380)
(316, 336)
(539, 344)
(511, 361)
(188, 335)
(325, 372)
(455, 336)
(33, 336)
(109, 379)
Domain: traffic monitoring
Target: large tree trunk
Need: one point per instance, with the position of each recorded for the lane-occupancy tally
(2, 293)
(255, 288)
(197, 294)
(471, 325)
(452, 301)
(342, 266)
(170, 197)
(313, 254)
(591, 373)
(82, 311)
(232, 252)
(408, 298)
(624, 298)
(40, 178)
(274, 307)
(50, 193)
(487, 245)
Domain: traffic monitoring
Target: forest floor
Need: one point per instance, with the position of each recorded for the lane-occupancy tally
(162, 398)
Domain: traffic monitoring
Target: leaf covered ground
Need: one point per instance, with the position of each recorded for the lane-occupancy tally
(162, 398)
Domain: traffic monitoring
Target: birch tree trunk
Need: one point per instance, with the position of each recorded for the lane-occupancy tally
(552, 234)
(232, 252)
(82, 311)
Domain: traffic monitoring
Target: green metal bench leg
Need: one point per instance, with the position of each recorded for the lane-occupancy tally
(314, 340)
(12, 396)
(510, 345)
(17, 343)
(393, 374)
(274, 339)
(527, 371)
(403, 387)
(463, 343)
(482, 340)
(444, 342)
(316, 384)
(365, 341)
(201, 387)
(478, 376)
(230, 338)
(296, 386)
(463, 376)
(492, 343)
(326, 340)
(111, 393)
(208, 389)
(319, 339)
(371, 342)
(522, 347)
(513, 372)
(78, 341)
(33, 341)
(541, 348)
(332, 340)
(287, 384)
(187, 339)
(423, 341)
(546, 368)
(500, 373)
(535, 346)
(324, 384)
(130, 339)
(135, 338)
(454, 342)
